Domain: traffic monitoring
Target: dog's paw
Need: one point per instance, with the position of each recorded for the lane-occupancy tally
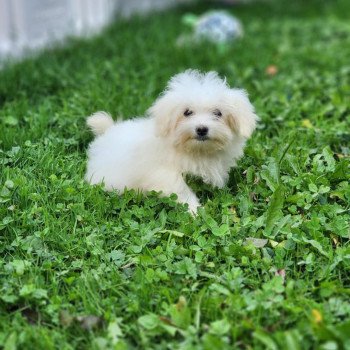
(193, 206)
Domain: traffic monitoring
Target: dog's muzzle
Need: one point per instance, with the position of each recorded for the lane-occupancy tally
(202, 133)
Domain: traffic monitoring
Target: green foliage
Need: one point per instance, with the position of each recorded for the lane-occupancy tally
(265, 263)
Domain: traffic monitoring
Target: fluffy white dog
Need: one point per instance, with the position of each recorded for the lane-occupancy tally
(197, 126)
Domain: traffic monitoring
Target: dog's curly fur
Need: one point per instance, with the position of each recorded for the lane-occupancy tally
(199, 126)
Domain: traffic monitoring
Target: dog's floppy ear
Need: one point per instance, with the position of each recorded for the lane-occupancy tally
(242, 118)
(163, 111)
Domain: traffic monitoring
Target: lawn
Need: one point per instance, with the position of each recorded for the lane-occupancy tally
(265, 263)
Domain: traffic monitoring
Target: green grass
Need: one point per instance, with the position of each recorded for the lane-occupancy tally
(85, 269)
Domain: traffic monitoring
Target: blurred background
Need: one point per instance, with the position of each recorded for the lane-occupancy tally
(30, 24)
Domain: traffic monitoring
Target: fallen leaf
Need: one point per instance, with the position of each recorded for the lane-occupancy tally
(65, 318)
(233, 210)
(271, 70)
(89, 322)
(282, 273)
(317, 316)
(340, 155)
(166, 320)
(132, 263)
(335, 239)
(273, 243)
(256, 242)
(307, 124)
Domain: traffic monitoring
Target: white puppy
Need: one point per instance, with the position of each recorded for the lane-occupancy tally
(197, 126)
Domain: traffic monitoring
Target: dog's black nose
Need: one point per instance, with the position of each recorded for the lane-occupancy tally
(202, 131)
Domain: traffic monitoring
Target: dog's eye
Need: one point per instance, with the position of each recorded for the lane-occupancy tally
(217, 113)
(187, 113)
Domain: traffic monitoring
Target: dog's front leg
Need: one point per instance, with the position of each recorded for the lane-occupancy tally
(191, 199)
(170, 182)
(216, 180)
(186, 195)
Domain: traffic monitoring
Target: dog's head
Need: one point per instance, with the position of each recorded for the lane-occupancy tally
(200, 113)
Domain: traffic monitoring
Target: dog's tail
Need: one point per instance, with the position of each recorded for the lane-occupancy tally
(99, 122)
